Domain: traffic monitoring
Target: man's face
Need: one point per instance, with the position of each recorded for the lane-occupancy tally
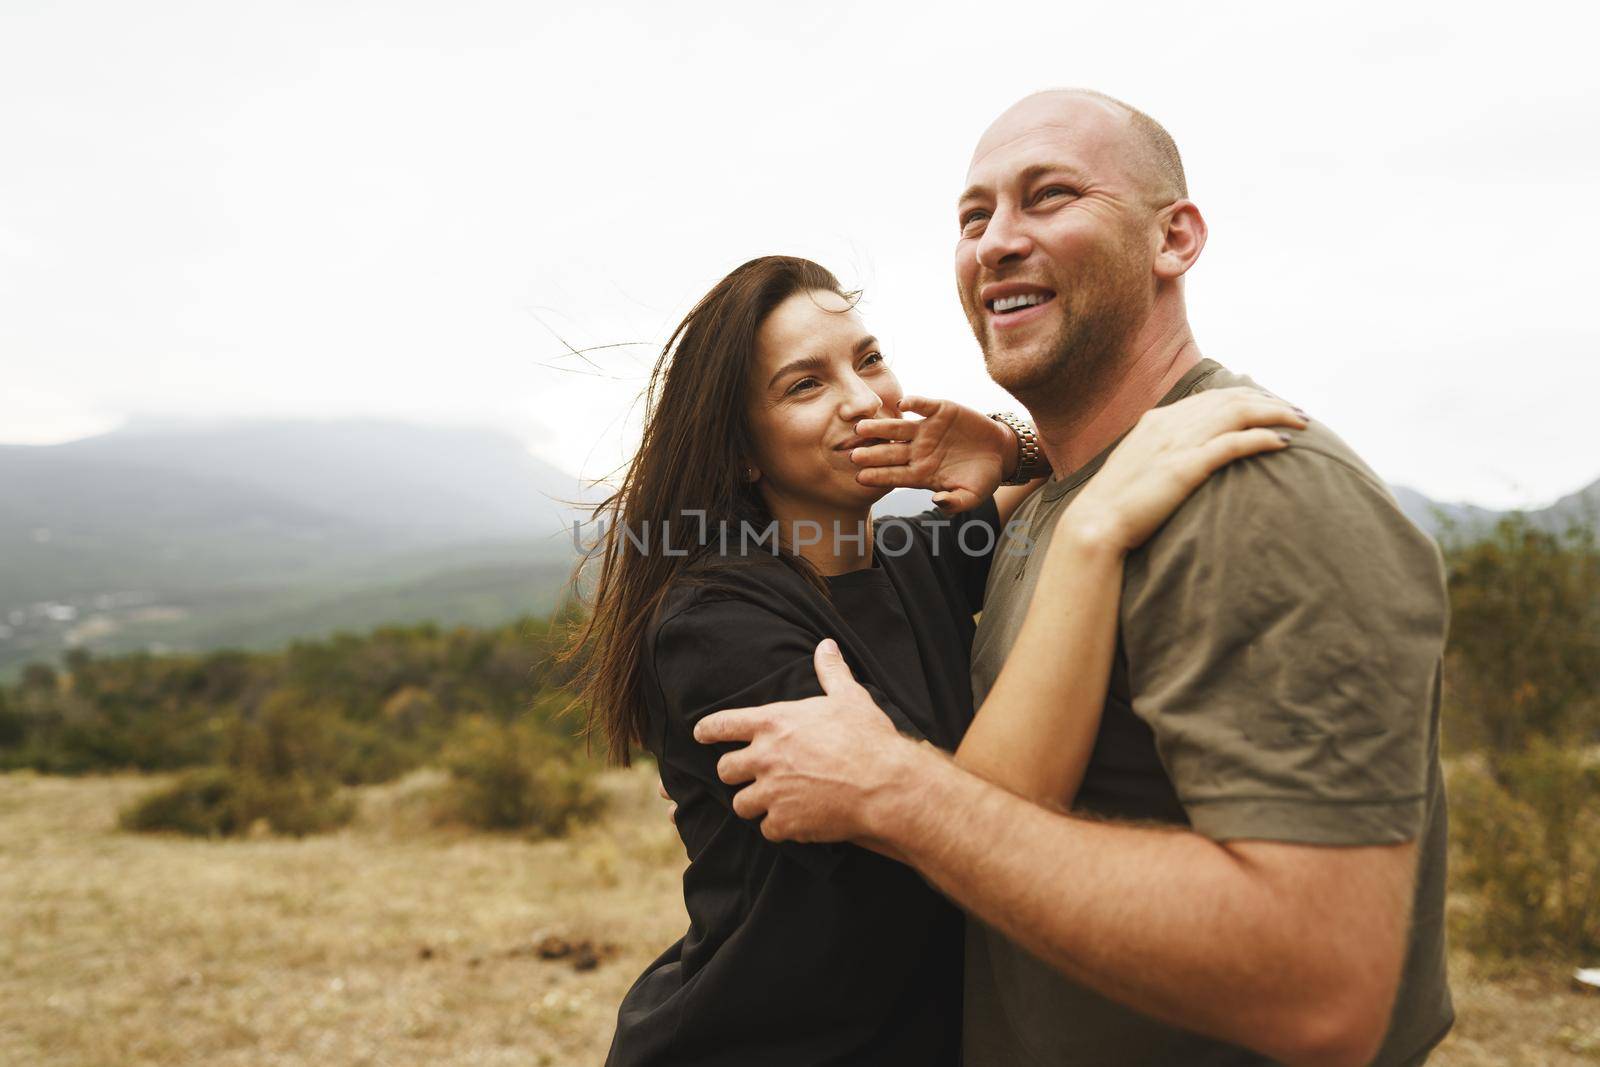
(1053, 264)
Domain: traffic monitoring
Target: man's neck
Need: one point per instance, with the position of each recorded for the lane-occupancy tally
(1073, 430)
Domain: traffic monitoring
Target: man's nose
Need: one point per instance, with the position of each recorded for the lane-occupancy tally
(1004, 238)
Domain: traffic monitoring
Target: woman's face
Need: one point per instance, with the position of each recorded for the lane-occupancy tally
(816, 373)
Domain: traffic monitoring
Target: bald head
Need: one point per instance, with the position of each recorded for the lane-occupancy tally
(1140, 143)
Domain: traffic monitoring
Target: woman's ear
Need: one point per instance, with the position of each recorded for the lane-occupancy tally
(752, 473)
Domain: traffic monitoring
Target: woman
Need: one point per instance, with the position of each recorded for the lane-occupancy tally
(740, 537)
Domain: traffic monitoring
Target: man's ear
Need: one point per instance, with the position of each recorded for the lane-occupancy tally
(1183, 235)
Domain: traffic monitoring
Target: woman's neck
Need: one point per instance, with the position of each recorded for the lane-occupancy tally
(833, 541)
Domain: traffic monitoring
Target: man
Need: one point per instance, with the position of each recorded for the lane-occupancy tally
(1253, 869)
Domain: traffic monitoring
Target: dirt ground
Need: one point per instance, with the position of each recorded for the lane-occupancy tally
(394, 942)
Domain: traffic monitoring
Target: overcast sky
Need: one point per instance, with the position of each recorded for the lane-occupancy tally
(223, 208)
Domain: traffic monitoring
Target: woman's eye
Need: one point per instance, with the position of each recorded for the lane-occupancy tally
(871, 358)
(795, 388)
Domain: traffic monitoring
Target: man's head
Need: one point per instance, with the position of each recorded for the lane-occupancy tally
(1076, 230)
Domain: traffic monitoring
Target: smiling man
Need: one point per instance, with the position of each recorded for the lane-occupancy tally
(1253, 868)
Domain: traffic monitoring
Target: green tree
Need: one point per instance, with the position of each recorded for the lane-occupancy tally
(1523, 709)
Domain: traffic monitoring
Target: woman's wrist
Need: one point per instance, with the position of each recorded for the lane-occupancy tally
(1090, 533)
(1030, 459)
(1009, 445)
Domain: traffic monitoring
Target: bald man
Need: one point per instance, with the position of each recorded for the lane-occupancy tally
(1252, 870)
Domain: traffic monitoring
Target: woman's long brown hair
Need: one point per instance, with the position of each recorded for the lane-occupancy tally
(697, 441)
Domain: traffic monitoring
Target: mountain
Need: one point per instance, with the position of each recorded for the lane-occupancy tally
(179, 535)
(192, 534)
(1469, 520)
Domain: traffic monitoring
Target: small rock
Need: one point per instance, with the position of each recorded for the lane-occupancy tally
(554, 948)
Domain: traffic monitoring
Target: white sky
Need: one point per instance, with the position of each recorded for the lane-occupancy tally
(339, 208)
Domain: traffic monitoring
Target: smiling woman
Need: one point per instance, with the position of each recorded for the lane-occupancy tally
(803, 420)
(760, 416)
(698, 466)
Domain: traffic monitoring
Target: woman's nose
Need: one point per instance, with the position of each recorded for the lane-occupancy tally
(862, 402)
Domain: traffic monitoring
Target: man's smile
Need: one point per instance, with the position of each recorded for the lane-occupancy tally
(1012, 304)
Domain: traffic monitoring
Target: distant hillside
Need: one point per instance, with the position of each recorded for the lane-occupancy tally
(428, 484)
(192, 534)
(187, 536)
(1470, 520)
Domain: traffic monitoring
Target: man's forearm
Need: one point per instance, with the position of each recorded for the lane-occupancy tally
(1164, 920)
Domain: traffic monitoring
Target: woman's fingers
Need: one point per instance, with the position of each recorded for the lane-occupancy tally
(889, 455)
(921, 405)
(672, 807)
(890, 478)
(956, 501)
(1227, 447)
(1196, 420)
(888, 429)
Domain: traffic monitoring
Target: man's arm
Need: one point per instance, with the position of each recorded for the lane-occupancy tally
(1292, 950)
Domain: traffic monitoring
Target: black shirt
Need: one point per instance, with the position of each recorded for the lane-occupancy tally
(797, 953)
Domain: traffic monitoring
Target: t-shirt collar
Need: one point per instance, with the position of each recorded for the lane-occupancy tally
(1053, 490)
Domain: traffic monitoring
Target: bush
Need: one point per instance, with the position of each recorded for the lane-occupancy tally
(1523, 700)
(516, 776)
(1527, 838)
(202, 802)
(226, 802)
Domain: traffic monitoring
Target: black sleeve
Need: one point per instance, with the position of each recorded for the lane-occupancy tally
(734, 653)
(961, 546)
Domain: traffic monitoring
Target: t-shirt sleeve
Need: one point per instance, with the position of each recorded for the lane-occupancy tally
(962, 546)
(1283, 636)
(734, 653)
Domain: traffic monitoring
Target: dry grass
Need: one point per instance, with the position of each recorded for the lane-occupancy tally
(394, 942)
(390, 942)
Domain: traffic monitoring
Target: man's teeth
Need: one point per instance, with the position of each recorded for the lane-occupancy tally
(1007, 303)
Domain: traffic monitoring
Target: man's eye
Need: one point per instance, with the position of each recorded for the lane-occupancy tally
(873, 357)
(971, 217)
(1060, 190)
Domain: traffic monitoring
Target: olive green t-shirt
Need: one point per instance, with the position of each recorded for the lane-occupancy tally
(1277, 678)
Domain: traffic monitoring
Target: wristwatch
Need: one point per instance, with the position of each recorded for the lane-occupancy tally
(1031, 461)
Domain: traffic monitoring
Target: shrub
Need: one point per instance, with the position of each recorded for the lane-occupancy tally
(225, 802)
(202, 802)
(1523, 699)
(515, 776)
(1527, 838)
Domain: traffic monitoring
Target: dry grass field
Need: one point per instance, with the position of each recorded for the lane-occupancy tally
(396, 942)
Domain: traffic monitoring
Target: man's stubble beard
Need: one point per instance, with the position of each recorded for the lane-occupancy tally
(1067, 374)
